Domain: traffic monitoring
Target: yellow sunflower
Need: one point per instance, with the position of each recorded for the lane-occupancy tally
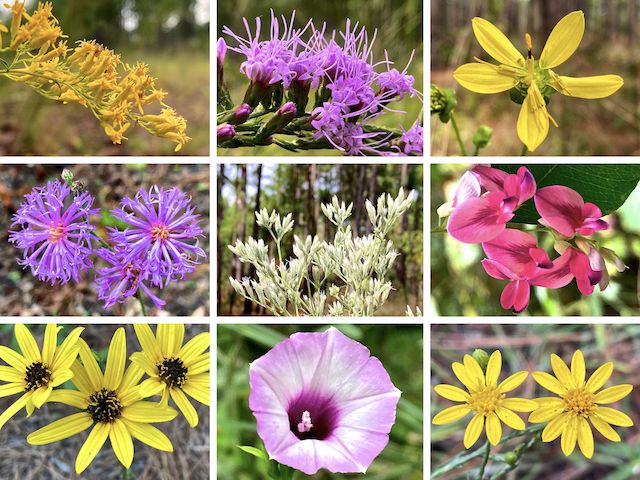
(33, 373)
(111, 403)
(579, 401)
(486, 399)
(174, 368)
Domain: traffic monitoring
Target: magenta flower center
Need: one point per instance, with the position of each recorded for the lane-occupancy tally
(160, 232)
(56, 233)
(312, 416)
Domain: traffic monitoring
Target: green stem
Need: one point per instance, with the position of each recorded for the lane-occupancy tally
(144, 309)
(102, 242)
(476, 151)
(126, 473)
(524, 151)
(485, 460)
(455, 129)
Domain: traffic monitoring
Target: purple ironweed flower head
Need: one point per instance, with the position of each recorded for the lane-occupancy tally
(55, 234)
(221, 51)
(413, 140)
(321, 401)
(226, 131)
(122, 278)
(163, 233)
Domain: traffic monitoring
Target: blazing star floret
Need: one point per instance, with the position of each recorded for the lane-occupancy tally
(413, 140)
(164, 231)
(55, 234)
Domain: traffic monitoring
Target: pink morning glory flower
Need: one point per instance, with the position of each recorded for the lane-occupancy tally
(321, 401)
(564, 210)
(514, 255)
(483, 218)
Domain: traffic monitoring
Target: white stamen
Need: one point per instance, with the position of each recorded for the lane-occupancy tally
(305, 425)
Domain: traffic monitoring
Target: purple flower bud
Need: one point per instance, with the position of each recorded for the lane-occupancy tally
(287, 109)
(242, 112)
(226, 131)
(222, 51)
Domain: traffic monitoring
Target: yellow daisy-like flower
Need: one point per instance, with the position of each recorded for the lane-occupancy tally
(36, 373)
(532, 81)
(578, 402)
(111, 403)
(486, 399)
(175, 369)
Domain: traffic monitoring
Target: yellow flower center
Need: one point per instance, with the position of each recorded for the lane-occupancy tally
(580, 402)
(56, 233)
(160, 232)
(486, 400)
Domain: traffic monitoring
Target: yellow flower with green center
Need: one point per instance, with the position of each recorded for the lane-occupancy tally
(485, 398)
(578, 402)
(175, 369)
(36, 373)
(532, 81)
(112, 403)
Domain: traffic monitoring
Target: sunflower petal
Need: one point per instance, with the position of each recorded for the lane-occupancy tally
(116, 359)
(496, 43)
(61, 429)
(452, 393)
(92, 446)
(200, 364)
(513, 381)
(69, 397)
(90, 365)
(170, 337)
(493, 368)
(9, 389)
(533, 120)
(599, 86)
(613, 394)
(41, 395)
(600, 377)
(49, 343)
(569, 436)
(548, 402)
(563, 40)
(561, 371)
(542, 415)
(578, 368)
(10, 374)
(604, 428)
(121, 442)
(555, 427)
(13, 358)
(473, 370)
(493, 428)
(473, 430)
(451, 414)
(519, 404)
(510, 418)
(613, 417)
(149, 435)
(549, 382)
(483, 78)
(194, 347)
(184, 405)
(67, 348)
(148, 412)
(462, 375)
(585, 438)
(14, 408)
(148, 341)
(27, 343)
(200, 392)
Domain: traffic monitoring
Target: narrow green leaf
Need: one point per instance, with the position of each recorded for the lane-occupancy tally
(256, 452)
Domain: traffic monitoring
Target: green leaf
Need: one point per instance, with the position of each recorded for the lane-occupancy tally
(608, 186)
(258, 333)
(256, 452)
(108, 220)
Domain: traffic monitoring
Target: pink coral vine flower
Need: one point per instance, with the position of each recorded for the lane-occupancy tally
(321, 401)
(514, 255)
(564, 210)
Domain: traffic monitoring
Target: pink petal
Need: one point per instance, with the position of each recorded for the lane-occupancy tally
(508, 297)
(491, 178)
(468, 187)
(591, 226)
(496, 270)
(515, 295)
(560, 207)
(512, 249)
(477, 220)
(590, 210)
(527, 184)
(580, 268)
(559, 275)
(541, 258)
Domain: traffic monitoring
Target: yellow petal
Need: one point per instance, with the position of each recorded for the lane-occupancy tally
(27, 343)
(9, 389)
(555, 427)
(451, 393)
(10, 374)
(198, 391)
(563, 40)
(92, 446)
(41, 395)
(600, 377)
(170, 337)
(495, 43)
(519, 404)
(200, 364)
(493, 428)
(510, 418)
(474, 370)
(61, 429)
(562, 372)
(49, 343)
(533, 121)
(578, 368)
(613, 416)
(483, 78)
(69, 397)
(613, 394)
(585, 438)
(149, 434)
(604, 428)
(142, 360)
(549, 382)
(13, 358)
(194, 347)
(548, 402)
(569, 436)
(14, 408)
(463, 376)
(81, 379)
(599, 86)
(68, 348)
(94, 374)
(148, 341)
(493, 368)
(148, 412)
(151, 387)
(513, 381)
(473, 430)
(121, 442)
(451, 414)
(116, 358)
(184, 405)
(132, 376)
(542, 415)
(60, 376)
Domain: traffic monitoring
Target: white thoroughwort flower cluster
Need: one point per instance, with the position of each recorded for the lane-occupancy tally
(345, 277)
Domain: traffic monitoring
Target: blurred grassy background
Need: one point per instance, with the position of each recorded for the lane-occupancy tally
(19, 460)
(609, 126)
(399, 25)
(23, 294)
(300, 189)
(172, 36)
(398, 347)
(528, 347)
(455, 266)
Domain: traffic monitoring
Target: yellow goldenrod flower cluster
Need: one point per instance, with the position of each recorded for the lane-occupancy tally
(89, 74)
(579, 402)
(112, 402)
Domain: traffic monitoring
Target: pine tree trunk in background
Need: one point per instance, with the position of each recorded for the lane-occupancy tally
(372, 194)
(240, 215)
(248, 304)
(404, 224)
(633, 21)
(220, 250)
(358, 202)
(312, 216)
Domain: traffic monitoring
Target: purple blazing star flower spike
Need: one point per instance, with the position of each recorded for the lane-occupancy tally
(122, 278)
(321, 401)
(413, 140)
(55, 234)
(162, 223)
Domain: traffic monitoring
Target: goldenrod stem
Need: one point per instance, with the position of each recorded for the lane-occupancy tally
(485, 460)
(524, 151)
(455, 129)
